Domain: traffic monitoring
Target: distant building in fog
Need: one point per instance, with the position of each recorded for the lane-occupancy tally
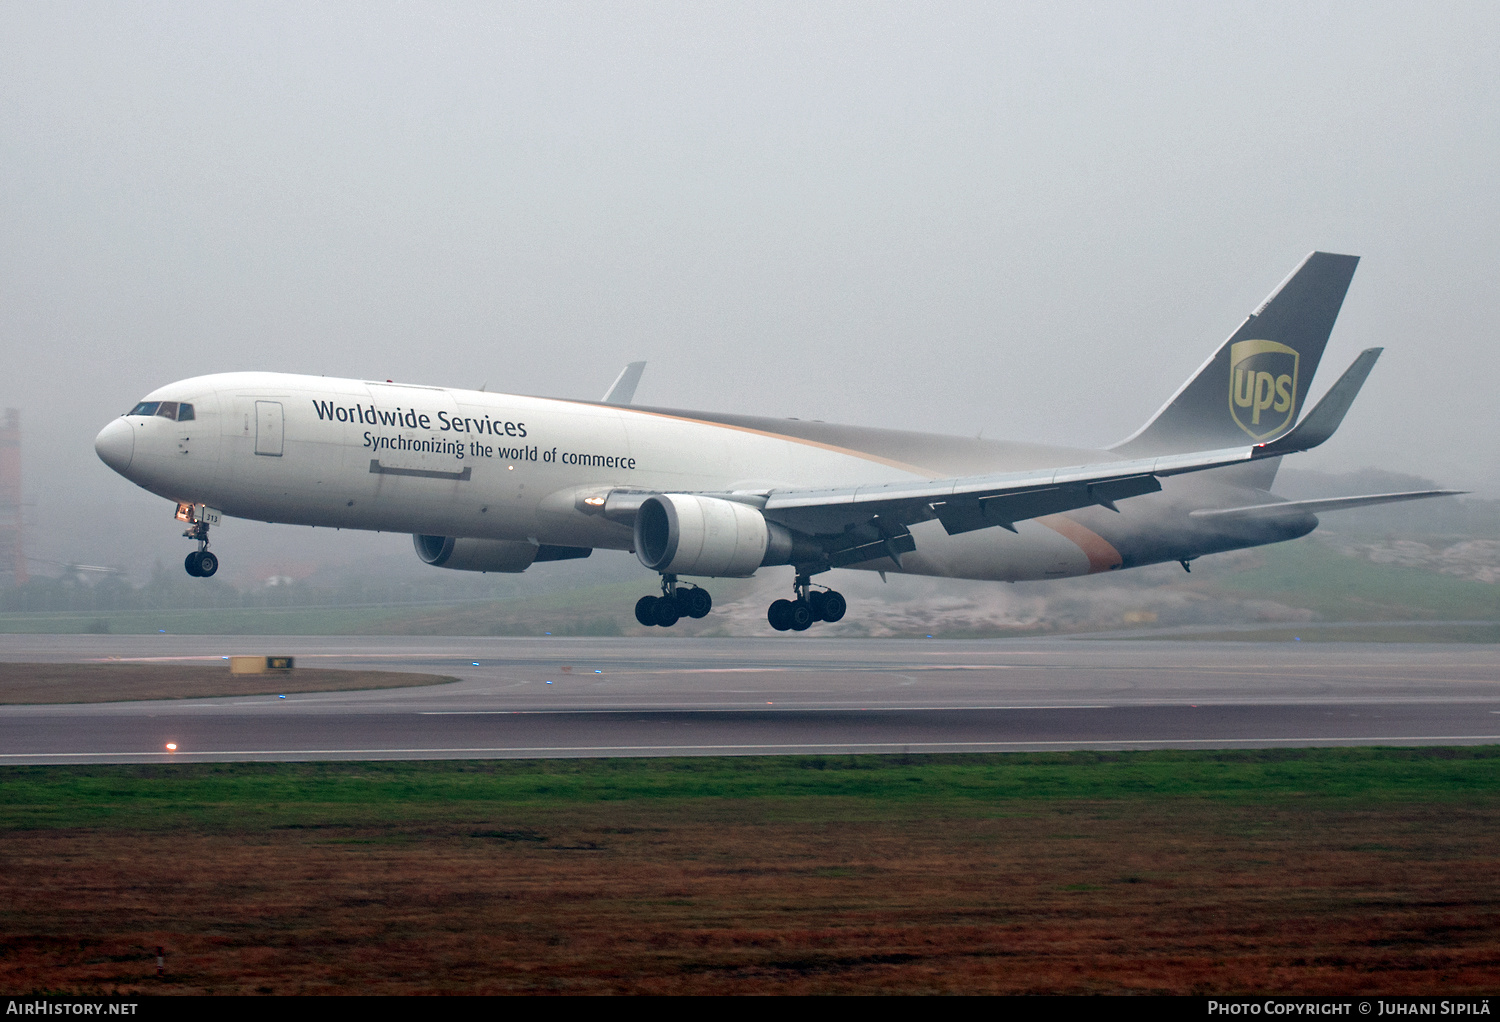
(12, 546)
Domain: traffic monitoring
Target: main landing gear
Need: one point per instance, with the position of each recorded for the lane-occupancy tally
(200, 563)
(675, 602)
(809, 606)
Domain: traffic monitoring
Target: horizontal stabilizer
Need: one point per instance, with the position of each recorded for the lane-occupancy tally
(622, 391)
(1323, 421)
(1289, 508)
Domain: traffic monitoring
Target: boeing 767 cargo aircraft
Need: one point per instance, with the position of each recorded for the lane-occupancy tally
(497, 482)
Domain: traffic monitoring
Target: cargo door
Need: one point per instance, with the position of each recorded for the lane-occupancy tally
(268, 428)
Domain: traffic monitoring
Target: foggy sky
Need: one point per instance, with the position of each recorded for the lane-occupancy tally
(1032, 220)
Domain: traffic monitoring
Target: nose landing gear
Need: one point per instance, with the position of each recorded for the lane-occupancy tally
(810, 605)
(676, 601)
(199, 563)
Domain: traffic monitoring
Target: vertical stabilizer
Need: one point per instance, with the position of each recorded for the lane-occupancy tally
(1252, 389)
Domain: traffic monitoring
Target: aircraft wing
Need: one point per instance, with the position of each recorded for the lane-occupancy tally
(863, 522)
(874, 520)
(860, 523)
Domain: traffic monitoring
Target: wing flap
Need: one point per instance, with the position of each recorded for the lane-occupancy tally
(966, 514)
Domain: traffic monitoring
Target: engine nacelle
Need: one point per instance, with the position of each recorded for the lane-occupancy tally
(681, 534)
(489, 554)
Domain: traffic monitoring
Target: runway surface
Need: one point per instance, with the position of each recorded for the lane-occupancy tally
(563, 697)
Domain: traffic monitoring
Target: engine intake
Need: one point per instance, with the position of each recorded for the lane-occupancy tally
(508, 555)
(683, 534)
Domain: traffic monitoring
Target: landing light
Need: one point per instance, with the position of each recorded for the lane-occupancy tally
(171, 746)
(594, 501)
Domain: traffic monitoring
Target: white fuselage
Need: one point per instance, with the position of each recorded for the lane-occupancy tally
(392, 457)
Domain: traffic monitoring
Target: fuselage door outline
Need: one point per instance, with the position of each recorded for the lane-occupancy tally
(268, 428)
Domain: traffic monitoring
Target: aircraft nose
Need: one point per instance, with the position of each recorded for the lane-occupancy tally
(115, 444)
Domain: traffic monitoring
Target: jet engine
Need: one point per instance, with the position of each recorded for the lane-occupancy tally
(682, 534)
(489, 554)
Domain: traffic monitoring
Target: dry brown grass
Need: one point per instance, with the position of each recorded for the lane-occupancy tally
(109, 683)
(721, 896)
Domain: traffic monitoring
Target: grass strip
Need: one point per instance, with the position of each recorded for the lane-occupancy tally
(1437, 632)
(1342, 588)
(234, 797)
(120, 682)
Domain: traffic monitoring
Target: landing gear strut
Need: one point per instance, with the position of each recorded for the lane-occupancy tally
(810, 605)
(676, 601)
(199, 563)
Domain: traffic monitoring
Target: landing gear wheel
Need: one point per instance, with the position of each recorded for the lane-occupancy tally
(694, 603)
(816, 601)
(645, 610)
(802, 616)
(666, 613)
(201, 564)
(834, 606)
(780, 615)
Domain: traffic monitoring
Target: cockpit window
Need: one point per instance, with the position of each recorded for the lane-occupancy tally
(181, 411)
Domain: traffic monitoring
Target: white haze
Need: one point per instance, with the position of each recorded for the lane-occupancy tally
(1029, 220)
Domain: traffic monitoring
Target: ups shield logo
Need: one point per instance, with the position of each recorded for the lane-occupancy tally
(1262, 386)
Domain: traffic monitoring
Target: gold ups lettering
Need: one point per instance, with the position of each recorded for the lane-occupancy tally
(1262, 386)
